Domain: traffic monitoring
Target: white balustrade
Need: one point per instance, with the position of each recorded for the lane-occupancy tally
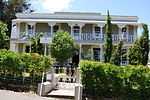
(89, 36)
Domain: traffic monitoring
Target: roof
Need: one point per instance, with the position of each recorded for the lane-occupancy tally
(80, 16)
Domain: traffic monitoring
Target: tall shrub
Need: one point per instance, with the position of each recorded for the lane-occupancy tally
(144, 45)
(108, 42)
(134, 53)
(116, 57)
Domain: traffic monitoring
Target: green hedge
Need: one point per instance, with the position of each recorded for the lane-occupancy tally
(102, 80)
(15, 64)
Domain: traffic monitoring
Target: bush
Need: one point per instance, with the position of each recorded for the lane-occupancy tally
(110, 81)
(14, 64)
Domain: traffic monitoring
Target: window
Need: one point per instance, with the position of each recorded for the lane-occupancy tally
(97, 30)
(96, 54)
(30, 29)
(76, 30)
(55, 29)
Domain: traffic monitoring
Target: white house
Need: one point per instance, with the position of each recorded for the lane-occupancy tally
(87, 29)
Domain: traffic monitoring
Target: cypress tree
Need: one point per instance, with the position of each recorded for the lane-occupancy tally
(134, 53)
(144, 45)
(108, 42)
(116, 57)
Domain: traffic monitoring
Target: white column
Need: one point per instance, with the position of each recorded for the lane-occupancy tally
(80, 25)
(13, 30)
(92, 53)
(32, 24)
(101, 53)
(80, 51)
(71, 26)
(127, 30)
(17, 29)
(12, 46)
(51, 25)
(120, 27)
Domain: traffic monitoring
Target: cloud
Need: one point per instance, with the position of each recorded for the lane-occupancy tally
(56, 5)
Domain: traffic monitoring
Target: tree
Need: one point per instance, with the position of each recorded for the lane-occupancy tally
(9, 8)
(116, 57)
(144, 45)
(4, 39)
(36, 46)
(88, 56)
(108, 42)
(62, 46)
(134, 54)
(138, 54)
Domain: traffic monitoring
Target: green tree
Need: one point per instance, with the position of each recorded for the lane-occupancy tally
(116, 57)
(9, 8)
(36, 46)
(108, 42)
(62, 46)
(144, 45)
(88, 56)
(134, 54)
(4, 39)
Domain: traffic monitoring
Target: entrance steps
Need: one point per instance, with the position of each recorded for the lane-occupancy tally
(64, 90)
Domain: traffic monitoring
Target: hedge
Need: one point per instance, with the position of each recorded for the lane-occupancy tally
(104, 80)
(12, 63)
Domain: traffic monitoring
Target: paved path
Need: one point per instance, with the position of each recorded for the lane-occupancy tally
(9, 95)
(64, 90)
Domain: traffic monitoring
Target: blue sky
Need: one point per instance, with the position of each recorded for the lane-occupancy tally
(139, 8)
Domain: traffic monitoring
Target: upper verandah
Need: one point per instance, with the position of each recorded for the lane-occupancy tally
(82, 16)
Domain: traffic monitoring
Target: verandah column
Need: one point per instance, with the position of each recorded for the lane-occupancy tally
(120, 29)
(51, 25)
(101, 28)
(71, 26)
(80, 25)
(32, 24)
(80, 51)
(101, 53)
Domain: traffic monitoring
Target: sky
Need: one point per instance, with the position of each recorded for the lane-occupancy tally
(140, 8)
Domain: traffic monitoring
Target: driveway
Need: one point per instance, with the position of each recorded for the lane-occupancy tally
(9, 95)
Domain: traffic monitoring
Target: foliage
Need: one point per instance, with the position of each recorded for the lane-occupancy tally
(134, 53)
(88, 56)
(144, 45)
(9, 8)
(62, 46)
(138, 54)
(36, 46)
(108, 43)
(103, 80)
(9, 61)
(4, 39)
(12, 63)
(116, 57)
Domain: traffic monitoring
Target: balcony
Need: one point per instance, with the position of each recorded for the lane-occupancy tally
(86, 37)
(102, 38)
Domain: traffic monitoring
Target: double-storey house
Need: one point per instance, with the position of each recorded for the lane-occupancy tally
(87, 30)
